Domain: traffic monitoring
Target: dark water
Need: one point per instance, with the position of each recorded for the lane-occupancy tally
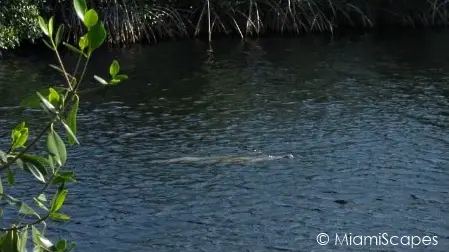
(367, 118)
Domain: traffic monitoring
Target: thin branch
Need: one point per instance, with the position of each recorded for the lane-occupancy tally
(82, 75)
(77, 65)
(25, 225)
(66, 74)
(92, 90)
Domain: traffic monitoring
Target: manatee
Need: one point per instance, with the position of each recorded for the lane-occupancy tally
(223, 159)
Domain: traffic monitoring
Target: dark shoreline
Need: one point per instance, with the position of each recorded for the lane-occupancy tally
(28, 47)
(145, 21)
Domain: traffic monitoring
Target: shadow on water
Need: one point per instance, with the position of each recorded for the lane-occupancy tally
(366, 117)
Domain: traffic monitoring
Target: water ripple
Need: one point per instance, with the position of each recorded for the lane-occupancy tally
(368, 131)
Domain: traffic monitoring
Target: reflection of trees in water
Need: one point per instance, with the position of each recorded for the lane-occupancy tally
(258, 78)
(256, 73)
(351, 75)
(20, 76)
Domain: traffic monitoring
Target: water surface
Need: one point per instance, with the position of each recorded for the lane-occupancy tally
(365, 116)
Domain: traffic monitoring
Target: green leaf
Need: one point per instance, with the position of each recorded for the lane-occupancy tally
(45, 243)
(19, 163)
(22, 139)
(40, 201)
(121, 77)
(38, 162)
(59, 34)
(47, 104)
(101, 80)
(63, 177)
(50, 27)
(57, 147)
(36, 173)
(70, 133)
(39, 240)
(114, 68)
(33, 100)
(21, 126)
(118, 78)
(9, 241)
(58, 200)
(22, 245)
(48, 44)
(40, 204)
(73, 49)
(19, 136)
(43, 26)
(71, 120)
(90, 18)
(13, 201)
(52, 146)
(3, 157)
(51, 162)
(80, 8)
(61, 245)
(54, 97)
(59, 217)
(35, 234)
(83, 42)
(15, 134)
(22, 206)
(96, 36)
(11, 177)
(115, 82)
(1, 189)
(60, 89)
(56, 68)
(42, 197)
(27, 210)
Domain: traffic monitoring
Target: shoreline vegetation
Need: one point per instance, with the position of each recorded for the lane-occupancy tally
(148, 21)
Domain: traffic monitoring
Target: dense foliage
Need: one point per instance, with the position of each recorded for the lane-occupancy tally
(28, 211)
(130, 21)
(18, 21)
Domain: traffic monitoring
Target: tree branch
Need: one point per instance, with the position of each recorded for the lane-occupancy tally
(25, 225)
